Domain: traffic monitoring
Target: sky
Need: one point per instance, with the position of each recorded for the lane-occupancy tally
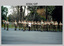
(10, 10)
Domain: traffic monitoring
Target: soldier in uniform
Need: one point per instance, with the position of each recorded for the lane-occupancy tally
(7, 23)
(45, 25)
(15, 23)
(60, 24)
(4, 22)
(56, 25)
(19, 23)
(42, 25)
(29, 25)
(48, 25)
(24, 24)
(32, 25)
(38, 23)
(35, 25)
(51, 25)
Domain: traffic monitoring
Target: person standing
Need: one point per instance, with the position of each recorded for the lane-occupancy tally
(15, 23)
(7, 23)
(39, 25)
(45, 25)
(56, 25)
(24, 24)
(19, 23)
(60, 24)
(4, 22)
(42, 25)
(32, 25)
(35, 25)
(29, 25)
(51, 25)
(48, 24)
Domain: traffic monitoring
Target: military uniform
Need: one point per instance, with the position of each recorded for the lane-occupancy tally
(42, 25)
(4, 22)
(48, 25)
(7, 23)
(35, 25)
(56, 25)
(45, 26)
(60, 24)
(32, 25)
(24, 25)
(38, 25)
(15, 23)
(19, 23)
(29, 25)
(51, 25)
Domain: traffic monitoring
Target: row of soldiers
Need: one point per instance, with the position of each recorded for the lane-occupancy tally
(33, 25)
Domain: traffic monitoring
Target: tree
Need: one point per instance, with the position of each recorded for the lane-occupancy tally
(57, 13)
(49, 10)
(4, 12)
(34, 15)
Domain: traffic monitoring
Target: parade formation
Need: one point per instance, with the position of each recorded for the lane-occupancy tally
(34, 25)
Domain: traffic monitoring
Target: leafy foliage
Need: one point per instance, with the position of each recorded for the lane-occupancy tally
(4, 12)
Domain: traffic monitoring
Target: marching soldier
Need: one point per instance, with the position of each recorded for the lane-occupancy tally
(48, 25)
(56, 25)
(45, 25)
(29, 25)
(15, 23)
(7, 23)
(4, 22)
(51, 25)
(60, 24)
(38, 23)
(24, 24)
(35, 25)
(42, 25)
(32, 25)
(19, 24)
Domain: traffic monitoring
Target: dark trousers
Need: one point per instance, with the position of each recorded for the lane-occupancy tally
(47, 27)
(29, 28)
(60, 28)
(41, 28)
(24, 28)
(7, 27)
(34, 27)
(15, 27)
(51, 27)
(19, 26)
(4, 26)
(56, 28)
(44, 27)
